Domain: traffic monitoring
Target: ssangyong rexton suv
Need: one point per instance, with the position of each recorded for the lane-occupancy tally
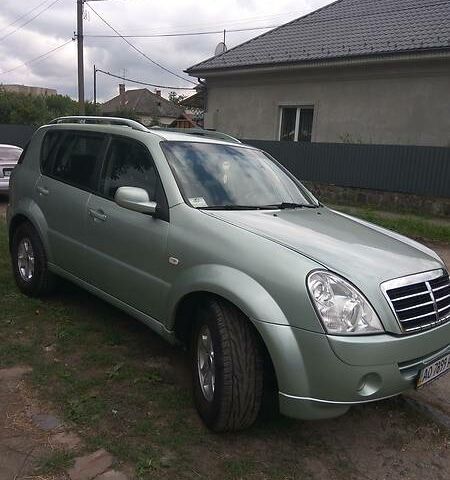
(214, 244)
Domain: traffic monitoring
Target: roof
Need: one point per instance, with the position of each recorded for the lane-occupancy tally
(5, 145)
(195, 101)
(344, 29)
(144, 102)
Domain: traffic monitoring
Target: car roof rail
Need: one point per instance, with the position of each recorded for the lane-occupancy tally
(199, 132)
(92, 120)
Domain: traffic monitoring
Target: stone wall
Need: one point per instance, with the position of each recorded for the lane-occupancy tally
(400, 202)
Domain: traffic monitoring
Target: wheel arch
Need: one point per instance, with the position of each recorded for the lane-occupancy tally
(31, 213)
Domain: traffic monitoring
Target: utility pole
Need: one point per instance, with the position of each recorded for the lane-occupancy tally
(80, 5)
(95, 88)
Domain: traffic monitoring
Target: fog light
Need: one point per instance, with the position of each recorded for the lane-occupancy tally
(369, 384)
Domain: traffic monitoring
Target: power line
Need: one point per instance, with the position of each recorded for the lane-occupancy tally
(183, 34)
(46, 54)
(138, 50)
(142, 83)
(23, 16)
(29, 21)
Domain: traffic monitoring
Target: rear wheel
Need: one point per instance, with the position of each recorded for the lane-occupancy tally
(29, 262)
(227, 367)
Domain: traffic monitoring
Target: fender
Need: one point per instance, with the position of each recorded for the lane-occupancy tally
(29, 209)
(233, 285)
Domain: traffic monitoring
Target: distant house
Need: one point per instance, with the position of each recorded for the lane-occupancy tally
(26, 90)
(354, 71)
(148, 107)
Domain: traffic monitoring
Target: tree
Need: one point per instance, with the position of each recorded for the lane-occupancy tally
(175, 98)
(16, 108)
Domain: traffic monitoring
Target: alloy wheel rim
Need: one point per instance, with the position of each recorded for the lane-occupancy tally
(25, 260)
(206, 363)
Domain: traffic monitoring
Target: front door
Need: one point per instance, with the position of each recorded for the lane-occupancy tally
(127, 250)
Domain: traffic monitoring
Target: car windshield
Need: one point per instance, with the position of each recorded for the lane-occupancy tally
(217, 176)
(10, 154)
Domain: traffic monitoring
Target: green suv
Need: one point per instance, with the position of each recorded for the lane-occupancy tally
(214, 245)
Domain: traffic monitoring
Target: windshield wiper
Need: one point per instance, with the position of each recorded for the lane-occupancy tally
(289, 205)
(231, 207)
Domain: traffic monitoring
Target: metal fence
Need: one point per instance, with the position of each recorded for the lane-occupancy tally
(16, 134)
(392, 168)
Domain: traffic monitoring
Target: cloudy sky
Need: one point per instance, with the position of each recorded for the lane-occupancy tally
(55, 23)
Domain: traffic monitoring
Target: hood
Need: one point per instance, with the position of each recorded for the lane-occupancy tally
(353, 248)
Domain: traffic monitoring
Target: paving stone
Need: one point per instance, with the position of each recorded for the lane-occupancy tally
(90, 466)
(14, 373)
(67, 440)
(112, 475)
(46, 422)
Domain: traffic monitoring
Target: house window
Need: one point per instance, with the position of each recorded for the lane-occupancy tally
(296, 124)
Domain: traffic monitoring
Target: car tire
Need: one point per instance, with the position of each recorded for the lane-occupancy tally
(29, 262)
(230, 398)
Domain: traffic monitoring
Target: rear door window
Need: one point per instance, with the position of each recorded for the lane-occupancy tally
(73, 157)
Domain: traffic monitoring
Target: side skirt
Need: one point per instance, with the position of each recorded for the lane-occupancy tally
(155, 325)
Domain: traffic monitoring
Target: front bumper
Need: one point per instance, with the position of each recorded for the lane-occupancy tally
(322, 376)
(4, 185)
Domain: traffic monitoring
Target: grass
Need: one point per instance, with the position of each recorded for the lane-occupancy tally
(120, 387)
(416, 226)
(56, 462)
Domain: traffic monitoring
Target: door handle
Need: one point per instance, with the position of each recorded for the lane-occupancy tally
(42, 190)
(97, 214)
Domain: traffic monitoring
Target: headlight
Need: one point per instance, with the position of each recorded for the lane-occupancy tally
(342, 309)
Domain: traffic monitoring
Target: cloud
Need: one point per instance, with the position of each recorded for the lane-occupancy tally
(57, 25)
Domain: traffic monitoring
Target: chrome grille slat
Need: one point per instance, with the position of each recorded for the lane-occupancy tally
(415, 306)
(433, 313)
(421, 301)
(409, 296)
(440, 288)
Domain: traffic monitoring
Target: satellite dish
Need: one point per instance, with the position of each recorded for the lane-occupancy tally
(221, 48)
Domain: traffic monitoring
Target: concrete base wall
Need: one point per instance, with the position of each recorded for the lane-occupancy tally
(403, 104)
(390, 201)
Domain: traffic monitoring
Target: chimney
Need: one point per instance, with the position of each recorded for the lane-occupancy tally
(122, 94)
(158, 92)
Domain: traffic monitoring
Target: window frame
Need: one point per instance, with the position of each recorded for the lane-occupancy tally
(298, 107)
(98, 166)
(163, 206)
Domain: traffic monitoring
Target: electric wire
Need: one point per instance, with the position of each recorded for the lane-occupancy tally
(139, 82)
(28, 21)
(138, 50)
(23, 16)
(28, 62)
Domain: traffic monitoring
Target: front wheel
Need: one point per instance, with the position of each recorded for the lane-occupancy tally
(227, 367)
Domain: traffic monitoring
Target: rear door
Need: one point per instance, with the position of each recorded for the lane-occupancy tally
(70, 167)
(127, 250)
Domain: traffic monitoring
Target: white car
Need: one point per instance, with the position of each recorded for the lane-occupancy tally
(9, 156)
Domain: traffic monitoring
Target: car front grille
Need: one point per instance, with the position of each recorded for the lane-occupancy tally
(420, 302)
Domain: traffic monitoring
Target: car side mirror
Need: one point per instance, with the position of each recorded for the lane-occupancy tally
(136, 199)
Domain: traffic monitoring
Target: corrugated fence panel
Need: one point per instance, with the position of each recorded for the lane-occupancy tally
(393, 168)
(16, 134)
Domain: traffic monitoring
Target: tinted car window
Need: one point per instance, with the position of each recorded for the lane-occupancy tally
(73, 157)
(129, 164)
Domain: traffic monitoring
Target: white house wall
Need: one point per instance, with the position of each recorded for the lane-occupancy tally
(405, 104)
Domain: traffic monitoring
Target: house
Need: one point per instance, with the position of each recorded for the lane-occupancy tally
(26, 90)
(360, 71)
(195, 106)
(148, 107)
